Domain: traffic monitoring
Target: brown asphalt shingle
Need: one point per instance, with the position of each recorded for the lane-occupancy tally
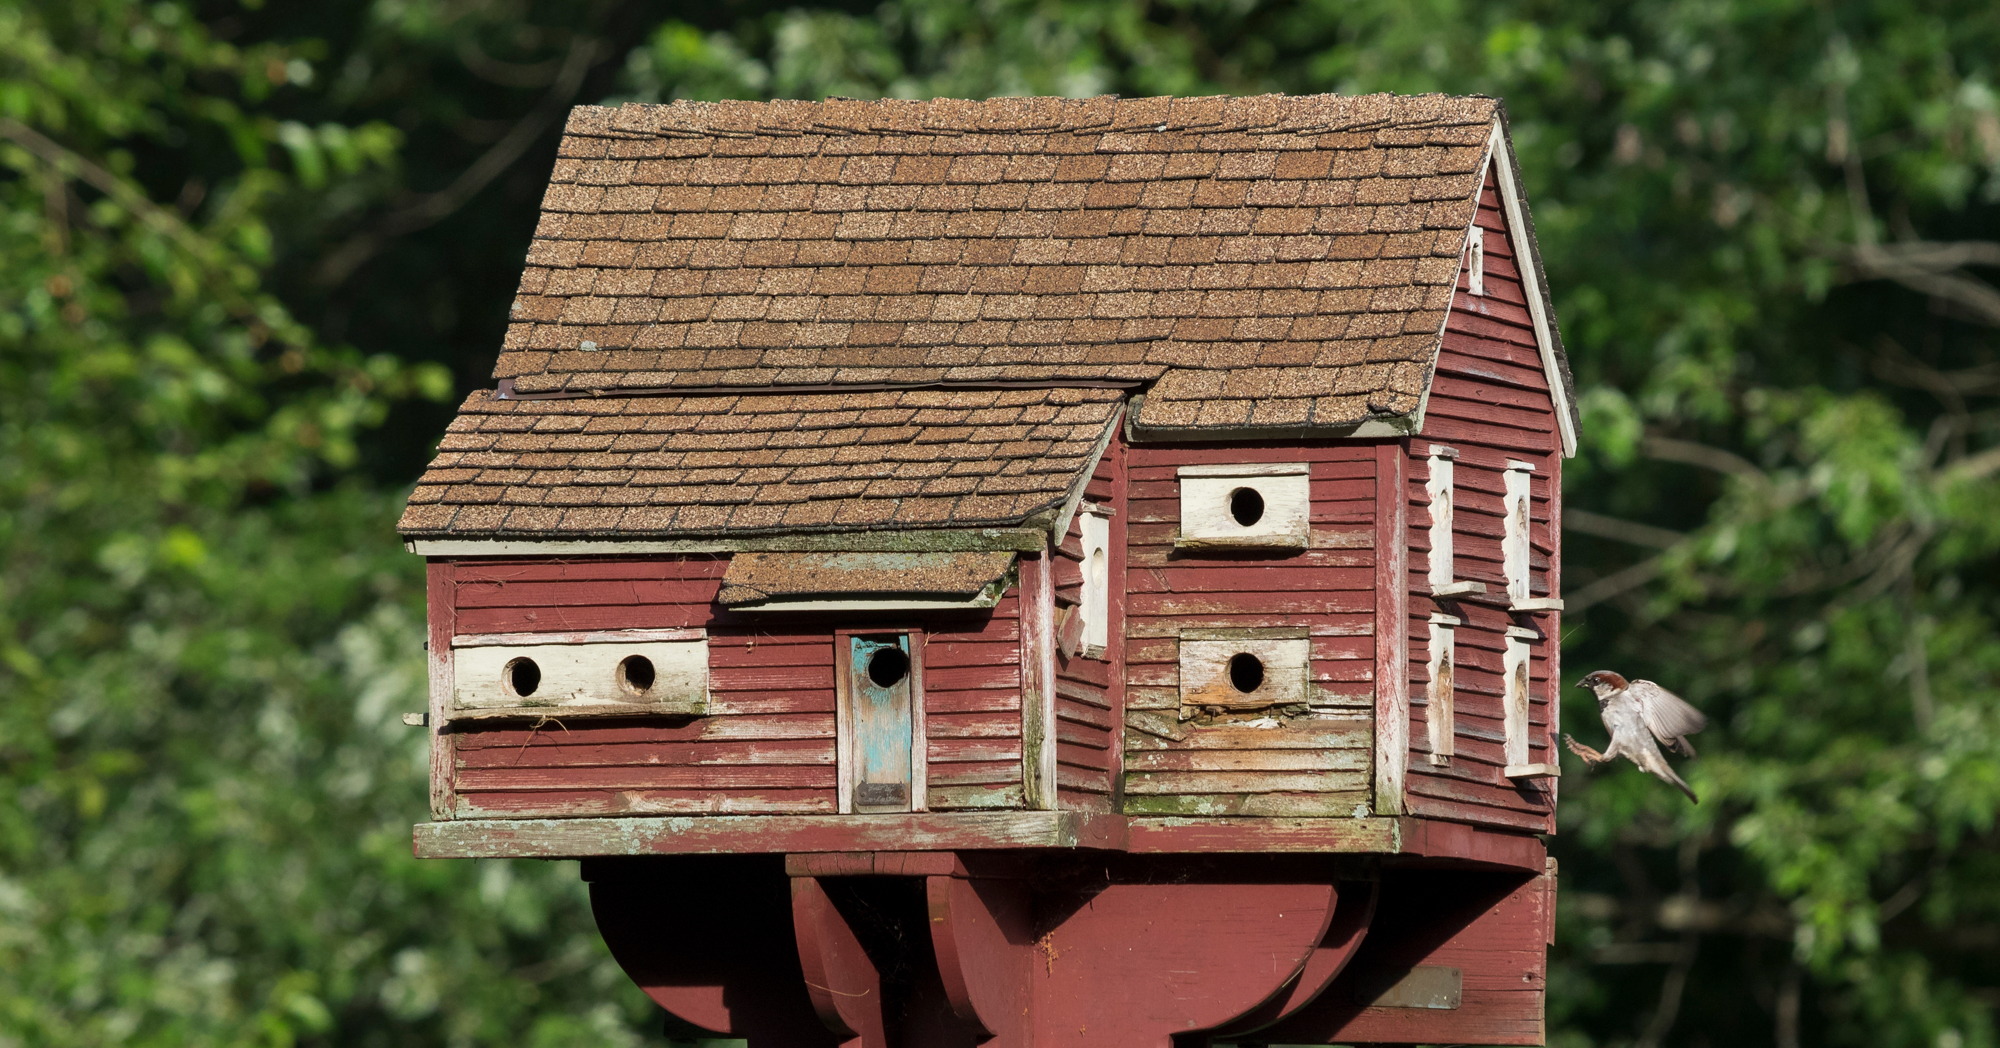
(681, 466)
(1151, 240)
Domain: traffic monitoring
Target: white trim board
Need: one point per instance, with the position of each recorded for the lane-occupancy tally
(969, 540)
(1060, 528)
(984, 600)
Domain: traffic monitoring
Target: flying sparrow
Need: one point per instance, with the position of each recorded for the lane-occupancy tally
(1635, 713)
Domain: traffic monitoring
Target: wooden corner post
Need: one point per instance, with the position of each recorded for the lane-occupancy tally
(1392, 614)
(442, 608)
(1038, 680)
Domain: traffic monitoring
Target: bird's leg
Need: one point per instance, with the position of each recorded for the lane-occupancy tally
(1589, 755)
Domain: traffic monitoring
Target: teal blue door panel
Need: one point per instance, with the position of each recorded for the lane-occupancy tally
(878, 674)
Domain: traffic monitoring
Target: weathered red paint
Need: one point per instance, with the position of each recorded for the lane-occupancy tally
(768, 742)
(1490, 401)
(894, 950)
(1492, 927)
(1352, 916)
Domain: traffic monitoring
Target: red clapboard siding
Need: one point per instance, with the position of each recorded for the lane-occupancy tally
(557, 752)
(963, 751)
(1086, 761)
(767, 743)
(652, 802)
(1491, 402)
(1317, 764)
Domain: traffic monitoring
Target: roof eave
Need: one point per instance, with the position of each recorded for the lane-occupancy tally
(932, 540)
(1384, 427)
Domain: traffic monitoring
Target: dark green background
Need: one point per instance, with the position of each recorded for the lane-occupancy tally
(250, 255)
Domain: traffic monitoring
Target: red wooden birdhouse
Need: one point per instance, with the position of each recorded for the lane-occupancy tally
(1024, 572)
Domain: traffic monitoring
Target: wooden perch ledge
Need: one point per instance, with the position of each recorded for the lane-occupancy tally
(977, 831)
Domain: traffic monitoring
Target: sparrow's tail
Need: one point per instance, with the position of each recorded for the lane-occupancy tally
(1653, 764)
(1667, 773)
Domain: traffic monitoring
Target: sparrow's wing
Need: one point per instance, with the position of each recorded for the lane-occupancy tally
(1666, 714)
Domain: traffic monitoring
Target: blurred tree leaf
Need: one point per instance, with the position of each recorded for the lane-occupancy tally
(208, 631)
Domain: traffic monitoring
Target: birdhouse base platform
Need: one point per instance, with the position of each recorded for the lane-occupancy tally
(1028, 929)
(1083, 948)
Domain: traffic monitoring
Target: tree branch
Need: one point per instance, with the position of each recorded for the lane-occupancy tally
(1633, 532)
(506, 74)
(214, 268)
(1938, 256)
(1919, 272)
(1613, 584)
(434, 207)
(1971, 467)
(1667, 449)
(74, 165)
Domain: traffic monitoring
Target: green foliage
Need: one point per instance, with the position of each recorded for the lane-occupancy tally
(1765, 224)
(208, 632)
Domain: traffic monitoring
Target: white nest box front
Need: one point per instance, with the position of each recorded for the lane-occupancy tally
(1247, 506)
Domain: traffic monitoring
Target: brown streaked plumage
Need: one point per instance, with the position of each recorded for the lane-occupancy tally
(1636, 713)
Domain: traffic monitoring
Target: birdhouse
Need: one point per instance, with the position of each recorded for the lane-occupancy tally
(1027, 572)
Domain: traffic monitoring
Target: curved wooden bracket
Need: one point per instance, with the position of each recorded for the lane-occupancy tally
(982, 931)
(845, 987)
(1352, 915)
(1124, 962)
(709, 941)
(1488, 926)
(1182, 957)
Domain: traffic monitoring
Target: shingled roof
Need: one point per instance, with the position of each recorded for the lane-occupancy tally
(775, 462)
(724, 301)
(1270, 261)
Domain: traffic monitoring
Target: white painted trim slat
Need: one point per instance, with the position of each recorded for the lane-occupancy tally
(1440, 718)
(1248, 469)
(1075, 499)
(1439, 488)
(1514, 550)
(1514, 710)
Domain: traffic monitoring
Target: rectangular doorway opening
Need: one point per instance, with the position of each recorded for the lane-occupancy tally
(881, 723)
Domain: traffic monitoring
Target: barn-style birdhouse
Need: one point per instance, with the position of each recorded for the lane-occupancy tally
(1024, 572)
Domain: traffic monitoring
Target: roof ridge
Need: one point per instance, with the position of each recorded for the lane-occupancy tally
(505, 388)
(1026, 115)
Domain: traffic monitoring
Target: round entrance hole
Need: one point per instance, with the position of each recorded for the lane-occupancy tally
(1246, 672)
(888, 666)
(1246, 506)
(635, 674)
(523, 677)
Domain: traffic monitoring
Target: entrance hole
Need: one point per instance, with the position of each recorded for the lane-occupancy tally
(1246, 672)
(635, 674)
(523, 677)
(888, 666)
(1246, 506)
